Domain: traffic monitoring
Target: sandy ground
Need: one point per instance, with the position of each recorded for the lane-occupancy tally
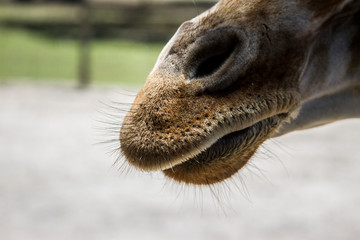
(56, 184)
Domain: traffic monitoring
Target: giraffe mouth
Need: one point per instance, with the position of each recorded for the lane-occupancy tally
(226, 156)
(216, 145)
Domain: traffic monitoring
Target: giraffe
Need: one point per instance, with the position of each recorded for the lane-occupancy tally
(238, 74)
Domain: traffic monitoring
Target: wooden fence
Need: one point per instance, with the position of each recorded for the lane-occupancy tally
(144, 20)
(128, 19)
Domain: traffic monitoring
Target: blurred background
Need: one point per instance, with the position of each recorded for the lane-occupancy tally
(97, 41)
(67, 71)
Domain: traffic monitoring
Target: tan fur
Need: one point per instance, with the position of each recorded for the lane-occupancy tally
(200, 120)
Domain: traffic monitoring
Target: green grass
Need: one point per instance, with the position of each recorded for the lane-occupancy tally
(27, 56)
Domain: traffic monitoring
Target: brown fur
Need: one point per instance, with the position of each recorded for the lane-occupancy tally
(184, 107)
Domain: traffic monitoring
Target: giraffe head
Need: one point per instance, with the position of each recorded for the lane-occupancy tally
(224, 84)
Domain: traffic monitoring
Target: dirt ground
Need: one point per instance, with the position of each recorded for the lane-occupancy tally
(56, 183)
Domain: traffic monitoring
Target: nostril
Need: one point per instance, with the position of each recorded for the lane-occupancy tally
(212, 64)
(210, 54)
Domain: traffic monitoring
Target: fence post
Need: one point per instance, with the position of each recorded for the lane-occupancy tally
(84, 44)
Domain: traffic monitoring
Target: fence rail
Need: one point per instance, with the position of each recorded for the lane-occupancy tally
(139, 20)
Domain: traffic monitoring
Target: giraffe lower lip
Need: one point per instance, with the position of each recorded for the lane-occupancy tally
(226, 156)
(224, 145)
(233, 140)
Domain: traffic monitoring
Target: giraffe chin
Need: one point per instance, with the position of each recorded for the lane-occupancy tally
(226, 156)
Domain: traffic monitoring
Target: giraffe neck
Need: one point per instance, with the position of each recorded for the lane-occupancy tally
(334, 58)
(330, 82)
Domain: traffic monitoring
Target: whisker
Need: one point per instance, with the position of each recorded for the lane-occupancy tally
(196, 6)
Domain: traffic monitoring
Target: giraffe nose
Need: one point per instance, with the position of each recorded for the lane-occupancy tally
(213, 57)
